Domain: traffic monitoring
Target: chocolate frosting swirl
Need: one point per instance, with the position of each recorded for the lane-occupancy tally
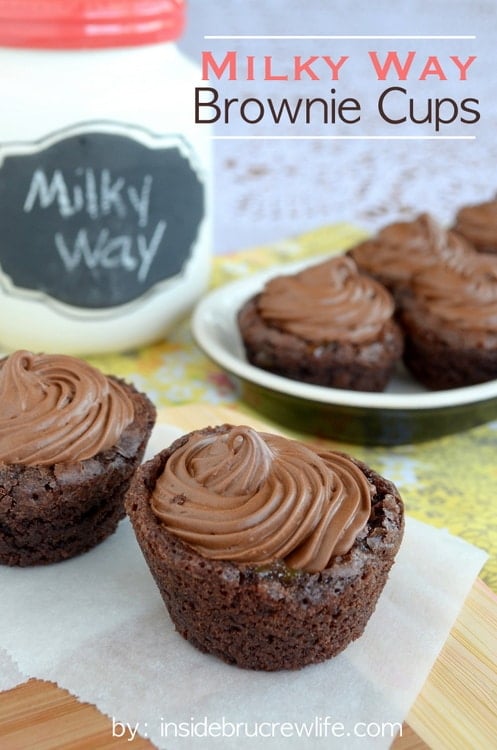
(327, 302)
(478, 224)
(252, 497)
(403, 248)
(56, 408)
(462, 293)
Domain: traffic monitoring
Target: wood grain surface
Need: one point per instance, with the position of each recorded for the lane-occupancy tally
(455, 710)
(41, 716)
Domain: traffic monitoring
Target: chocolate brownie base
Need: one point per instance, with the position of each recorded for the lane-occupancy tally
(366, 367)
(439, 364)
(271, 617)
(51, 513)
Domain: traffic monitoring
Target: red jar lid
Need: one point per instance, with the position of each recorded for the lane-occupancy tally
(79, 24)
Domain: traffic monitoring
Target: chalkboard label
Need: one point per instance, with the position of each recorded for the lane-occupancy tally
(96, 216)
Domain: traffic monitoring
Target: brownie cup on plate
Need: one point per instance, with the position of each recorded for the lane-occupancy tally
(268, 554)
(450, 322)
(70, 441)
(478, 225)
(327, 325)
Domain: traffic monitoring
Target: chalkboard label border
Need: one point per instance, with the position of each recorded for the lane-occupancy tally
(143, 136)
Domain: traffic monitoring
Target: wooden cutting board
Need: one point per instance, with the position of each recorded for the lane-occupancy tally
(456, 709)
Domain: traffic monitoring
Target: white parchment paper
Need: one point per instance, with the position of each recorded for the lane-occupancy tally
(97, 626)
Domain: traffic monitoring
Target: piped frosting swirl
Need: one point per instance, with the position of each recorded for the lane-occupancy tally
(404, 248)
(478, 224)
(251, 497)
(56, 408)
(461, 293)
(327, 302)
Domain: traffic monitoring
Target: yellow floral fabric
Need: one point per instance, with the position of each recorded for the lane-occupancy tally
(450, 482)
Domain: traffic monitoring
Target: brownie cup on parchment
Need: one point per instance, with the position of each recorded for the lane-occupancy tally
(70, 441)
(450, 323)
(478, 225)
(327, 325)
(268, 554)
(402, 249)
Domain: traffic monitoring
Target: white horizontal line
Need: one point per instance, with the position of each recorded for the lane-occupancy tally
(339, 36)
(343, 137)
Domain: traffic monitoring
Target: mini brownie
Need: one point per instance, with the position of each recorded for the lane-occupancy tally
(450, 323)
(327, 325)
(403, 248)
(478, 225)
(268, 554)
(70, 441)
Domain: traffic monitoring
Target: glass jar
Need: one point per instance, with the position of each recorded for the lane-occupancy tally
(104, 177)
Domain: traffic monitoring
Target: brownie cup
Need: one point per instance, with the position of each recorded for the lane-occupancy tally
(327, 325)
(478, 225)
(70, 441)
(268, 554)
(450, 323)
(403, 248)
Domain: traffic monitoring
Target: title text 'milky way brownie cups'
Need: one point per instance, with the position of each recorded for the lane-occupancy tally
(327, 325)
(70, 440)
(268, 554)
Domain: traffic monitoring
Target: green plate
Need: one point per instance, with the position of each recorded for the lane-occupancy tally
(404, 413)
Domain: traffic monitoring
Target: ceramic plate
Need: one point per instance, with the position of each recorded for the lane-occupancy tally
(404, 413)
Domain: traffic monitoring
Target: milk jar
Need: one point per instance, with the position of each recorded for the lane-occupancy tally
(104, 177)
